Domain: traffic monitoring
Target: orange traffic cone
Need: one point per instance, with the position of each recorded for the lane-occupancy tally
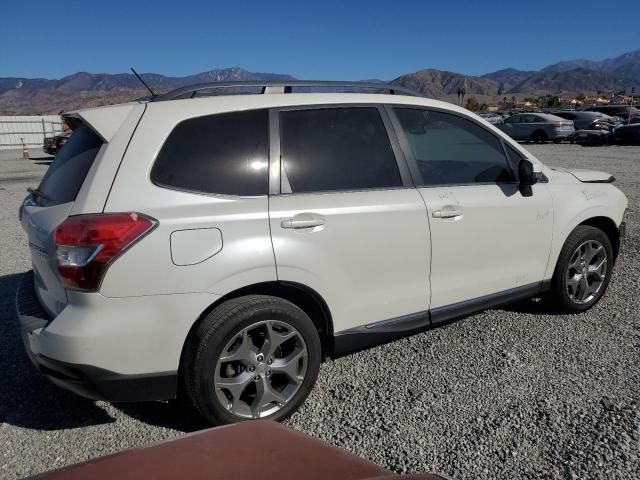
(25, 152)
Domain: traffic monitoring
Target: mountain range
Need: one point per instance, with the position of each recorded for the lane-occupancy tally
(82, 89)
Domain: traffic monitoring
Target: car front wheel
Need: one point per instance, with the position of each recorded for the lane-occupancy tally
(583, 270)
(252, 357)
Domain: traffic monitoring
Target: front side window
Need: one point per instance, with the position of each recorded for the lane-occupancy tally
(332, 149)
(452, 150)
(225, 154)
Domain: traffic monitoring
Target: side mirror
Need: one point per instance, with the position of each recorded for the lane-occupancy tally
(526, 173)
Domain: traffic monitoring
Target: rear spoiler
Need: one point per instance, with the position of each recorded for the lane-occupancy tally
(105, 121)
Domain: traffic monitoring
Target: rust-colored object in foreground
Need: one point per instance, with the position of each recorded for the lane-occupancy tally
(260, 449)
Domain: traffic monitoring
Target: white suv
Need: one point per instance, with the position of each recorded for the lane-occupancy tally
(220, 247)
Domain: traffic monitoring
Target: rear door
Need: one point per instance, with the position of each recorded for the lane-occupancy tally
(348, 223)
(44, 210)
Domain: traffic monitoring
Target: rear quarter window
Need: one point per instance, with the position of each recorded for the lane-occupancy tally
(223, 154)
(68, 171)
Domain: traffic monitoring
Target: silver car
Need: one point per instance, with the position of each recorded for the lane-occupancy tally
(537, 127)
(492, 118)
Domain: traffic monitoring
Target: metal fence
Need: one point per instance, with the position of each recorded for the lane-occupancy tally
(30, 130)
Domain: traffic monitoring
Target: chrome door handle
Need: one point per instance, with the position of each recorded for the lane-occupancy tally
(448, 211)
(303, 220)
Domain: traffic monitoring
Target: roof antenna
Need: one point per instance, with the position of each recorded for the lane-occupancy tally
(153, 94)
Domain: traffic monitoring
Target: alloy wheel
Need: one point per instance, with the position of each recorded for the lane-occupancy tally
(261, 369)
(586, 271)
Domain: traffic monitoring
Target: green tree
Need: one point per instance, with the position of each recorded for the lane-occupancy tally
(472, 104)
(552, 101)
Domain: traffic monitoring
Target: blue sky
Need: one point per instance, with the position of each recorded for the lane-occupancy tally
(347, 40)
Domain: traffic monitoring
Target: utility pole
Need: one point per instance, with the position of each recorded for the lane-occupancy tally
(633, 91)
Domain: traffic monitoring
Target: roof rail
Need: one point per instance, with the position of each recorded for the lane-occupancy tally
(191, 91)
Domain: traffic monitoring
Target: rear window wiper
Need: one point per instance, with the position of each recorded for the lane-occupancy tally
(37, 193)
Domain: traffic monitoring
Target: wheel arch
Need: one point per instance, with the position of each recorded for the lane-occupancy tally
(300, 295)
(540, 131)
(609, 227)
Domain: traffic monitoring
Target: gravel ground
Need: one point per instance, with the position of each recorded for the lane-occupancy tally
(511, 393)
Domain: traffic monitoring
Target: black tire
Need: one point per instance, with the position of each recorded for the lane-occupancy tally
(218, 328)
(558, 293)
(539, 136)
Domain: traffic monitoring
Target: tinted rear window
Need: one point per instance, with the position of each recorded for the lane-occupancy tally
(225, 154)
(66, 174)
(337, 149)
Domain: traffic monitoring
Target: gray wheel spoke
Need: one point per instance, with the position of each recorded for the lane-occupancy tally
(244, 352)
(575, 262)
(290, 365)
(234, 385)
(266, 395)
(584, 288)
(598, 270)
(573, 281)
(591, 252)
(275, 339)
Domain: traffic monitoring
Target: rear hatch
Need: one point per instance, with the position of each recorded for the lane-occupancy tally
(48, 205)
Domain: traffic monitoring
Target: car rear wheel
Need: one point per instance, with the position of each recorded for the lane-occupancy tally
(252, 357)
(539, 136)
(583, 269)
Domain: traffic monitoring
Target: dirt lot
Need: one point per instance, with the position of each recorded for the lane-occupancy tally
(511, 393)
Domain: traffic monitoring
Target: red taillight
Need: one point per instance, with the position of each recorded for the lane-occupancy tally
(87, 244)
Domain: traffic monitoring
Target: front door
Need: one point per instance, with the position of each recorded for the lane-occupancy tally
(488, 236)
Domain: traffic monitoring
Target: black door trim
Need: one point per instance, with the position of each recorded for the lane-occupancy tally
(359, 338)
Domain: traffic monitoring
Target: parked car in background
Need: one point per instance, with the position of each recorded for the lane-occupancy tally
(197, 256)
(626, 134)
(52, 145)
(593, 137)
(583, 119)
(623, 111)
(537, 127)
(492, 118)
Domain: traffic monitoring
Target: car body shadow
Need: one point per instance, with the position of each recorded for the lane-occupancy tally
(172, 414)
(27, 399)
(534, 306)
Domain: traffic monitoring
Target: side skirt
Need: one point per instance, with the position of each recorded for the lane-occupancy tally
(359, 338)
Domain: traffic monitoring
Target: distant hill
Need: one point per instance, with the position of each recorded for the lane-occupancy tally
(563, 78)
(82, 89)
(509, 78)
(437, 83)
(626, 66)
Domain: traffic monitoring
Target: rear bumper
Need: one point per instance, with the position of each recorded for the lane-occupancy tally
(98, 384)
(107, 349)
